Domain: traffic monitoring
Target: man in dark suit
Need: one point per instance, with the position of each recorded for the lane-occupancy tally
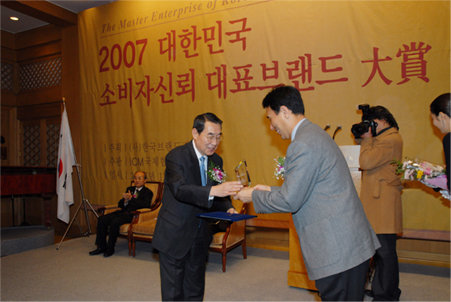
(134, 198)
(181, 237)
(336, 238)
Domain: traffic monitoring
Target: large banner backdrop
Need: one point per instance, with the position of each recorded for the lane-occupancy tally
(149, 67)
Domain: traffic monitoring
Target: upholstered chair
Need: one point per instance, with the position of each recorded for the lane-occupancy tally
(234, 236)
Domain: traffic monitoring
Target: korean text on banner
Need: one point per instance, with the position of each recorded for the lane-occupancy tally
(66, 159)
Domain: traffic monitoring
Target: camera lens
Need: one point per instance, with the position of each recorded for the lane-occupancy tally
(359, 129)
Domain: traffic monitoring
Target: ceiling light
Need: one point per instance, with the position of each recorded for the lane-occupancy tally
(14, 18)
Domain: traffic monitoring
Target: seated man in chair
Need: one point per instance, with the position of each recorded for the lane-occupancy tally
(136, 197)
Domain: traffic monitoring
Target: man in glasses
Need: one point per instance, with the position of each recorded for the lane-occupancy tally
(181, 237)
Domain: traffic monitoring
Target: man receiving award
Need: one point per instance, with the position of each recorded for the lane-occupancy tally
(336, 238)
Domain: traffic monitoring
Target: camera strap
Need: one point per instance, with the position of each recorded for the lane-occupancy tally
(383, 130)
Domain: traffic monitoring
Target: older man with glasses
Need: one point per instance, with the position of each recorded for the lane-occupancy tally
(181, 237)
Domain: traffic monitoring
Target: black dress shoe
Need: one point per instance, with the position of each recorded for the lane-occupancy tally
(108, 253)
(97, 251)
(369, 293)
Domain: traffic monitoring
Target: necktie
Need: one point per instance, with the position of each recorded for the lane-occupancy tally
(203, 175)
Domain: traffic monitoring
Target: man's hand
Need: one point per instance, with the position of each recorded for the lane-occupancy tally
(245, 195)
(262, 188)
(232, 211)
(226, 189)
(127, 196)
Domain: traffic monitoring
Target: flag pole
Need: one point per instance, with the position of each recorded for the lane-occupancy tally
(84, 202)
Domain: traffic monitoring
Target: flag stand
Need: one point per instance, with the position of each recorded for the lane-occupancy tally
(83, 203)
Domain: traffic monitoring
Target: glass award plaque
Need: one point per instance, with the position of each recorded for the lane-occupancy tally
(242, 174)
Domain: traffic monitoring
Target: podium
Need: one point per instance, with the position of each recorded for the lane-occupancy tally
(352, 154)
(297, 273)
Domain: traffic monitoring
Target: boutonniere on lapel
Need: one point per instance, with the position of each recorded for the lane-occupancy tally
(215, 173)
(279, 171)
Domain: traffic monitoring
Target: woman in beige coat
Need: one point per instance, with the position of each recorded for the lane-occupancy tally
(381, 197)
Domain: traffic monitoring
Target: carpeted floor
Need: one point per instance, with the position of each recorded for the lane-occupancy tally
(23, 238)
(70, 274)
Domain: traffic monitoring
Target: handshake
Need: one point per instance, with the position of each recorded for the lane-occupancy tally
(237, 190)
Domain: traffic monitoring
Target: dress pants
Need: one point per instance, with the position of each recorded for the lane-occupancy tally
(345, 286)
(110, 224)
(184, 279)
(386, 270)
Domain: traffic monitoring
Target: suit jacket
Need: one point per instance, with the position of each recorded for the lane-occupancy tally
(333, 230)
(184, 198)
(142, 200)
(381, 187)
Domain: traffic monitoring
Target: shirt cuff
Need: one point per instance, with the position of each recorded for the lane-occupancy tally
(210, 201)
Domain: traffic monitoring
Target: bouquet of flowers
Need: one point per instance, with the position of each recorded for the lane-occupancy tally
(216, 174)
(429, 174)
(279, 170)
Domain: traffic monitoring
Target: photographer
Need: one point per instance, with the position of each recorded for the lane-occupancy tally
(380, 194)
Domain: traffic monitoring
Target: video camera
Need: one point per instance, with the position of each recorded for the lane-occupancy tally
(359, 129)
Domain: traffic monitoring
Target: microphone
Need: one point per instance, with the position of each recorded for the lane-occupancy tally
(335, 132)
(326, 127)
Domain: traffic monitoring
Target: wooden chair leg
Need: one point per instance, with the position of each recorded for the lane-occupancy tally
(243, 246)
(129, 246)
(133, 246)
(224, 253)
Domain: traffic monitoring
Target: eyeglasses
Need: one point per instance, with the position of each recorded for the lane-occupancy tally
(211, 137)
